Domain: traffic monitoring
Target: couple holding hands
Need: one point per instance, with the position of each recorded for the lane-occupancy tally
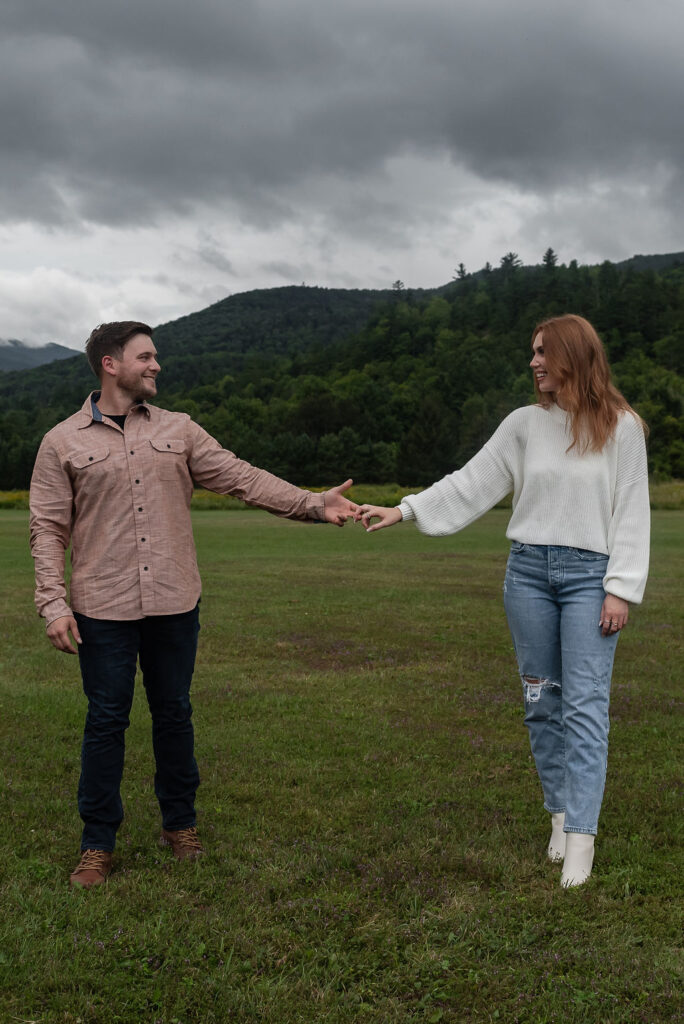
(115, 481)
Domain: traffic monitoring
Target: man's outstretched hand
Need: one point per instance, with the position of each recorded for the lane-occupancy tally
(339, 509)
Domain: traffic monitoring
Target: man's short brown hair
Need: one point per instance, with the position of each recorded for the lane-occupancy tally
(110, 340)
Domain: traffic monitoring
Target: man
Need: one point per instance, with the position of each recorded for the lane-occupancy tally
(115, 480)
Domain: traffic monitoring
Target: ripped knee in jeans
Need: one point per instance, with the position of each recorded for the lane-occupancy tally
(534, 686)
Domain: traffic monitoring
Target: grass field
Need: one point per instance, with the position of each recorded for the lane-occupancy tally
(374, 822)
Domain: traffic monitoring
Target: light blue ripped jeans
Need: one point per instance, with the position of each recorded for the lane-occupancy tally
(553, 597)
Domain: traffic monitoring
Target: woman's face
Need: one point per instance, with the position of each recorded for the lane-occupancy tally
(545, 382)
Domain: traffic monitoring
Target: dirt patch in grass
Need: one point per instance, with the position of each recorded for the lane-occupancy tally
(322, 654)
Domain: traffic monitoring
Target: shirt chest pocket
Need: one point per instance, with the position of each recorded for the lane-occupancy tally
(92, 470)
(169, 458)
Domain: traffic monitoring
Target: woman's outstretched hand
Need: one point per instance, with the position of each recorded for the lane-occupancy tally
(387, 516)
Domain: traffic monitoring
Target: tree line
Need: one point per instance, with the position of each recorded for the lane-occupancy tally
(390, 386)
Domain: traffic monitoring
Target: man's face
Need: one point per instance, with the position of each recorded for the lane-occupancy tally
(137, 370)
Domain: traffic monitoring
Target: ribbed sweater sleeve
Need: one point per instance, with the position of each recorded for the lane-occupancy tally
(461, 497)
(629, 527)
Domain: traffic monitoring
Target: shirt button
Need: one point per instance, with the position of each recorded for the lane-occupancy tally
(140, 508)
(137, 481)
(144, 568)
(142, 539)
(132, 452)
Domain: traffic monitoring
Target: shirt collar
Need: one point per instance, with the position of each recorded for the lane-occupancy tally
(94, 415)
(97, 415)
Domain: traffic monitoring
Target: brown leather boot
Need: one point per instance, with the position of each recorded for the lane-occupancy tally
(184, 842)
(92, 869)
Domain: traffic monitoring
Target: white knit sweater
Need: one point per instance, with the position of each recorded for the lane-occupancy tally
(597, 501)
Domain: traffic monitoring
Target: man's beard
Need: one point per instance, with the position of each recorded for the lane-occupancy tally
(135, 389)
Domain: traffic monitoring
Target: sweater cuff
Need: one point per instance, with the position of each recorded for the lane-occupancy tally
(406, 511)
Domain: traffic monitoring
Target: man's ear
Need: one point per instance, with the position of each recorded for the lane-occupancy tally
(108, 365)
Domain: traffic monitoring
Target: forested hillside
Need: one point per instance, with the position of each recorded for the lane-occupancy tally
(249, 329)
(15, 355)
(315, 384)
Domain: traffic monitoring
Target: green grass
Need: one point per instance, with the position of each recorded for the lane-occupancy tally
(374, 822)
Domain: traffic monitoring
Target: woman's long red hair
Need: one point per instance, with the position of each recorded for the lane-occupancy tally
(575, 356)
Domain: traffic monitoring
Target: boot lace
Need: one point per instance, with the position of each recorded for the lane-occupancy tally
(95, 860)
(187, 839)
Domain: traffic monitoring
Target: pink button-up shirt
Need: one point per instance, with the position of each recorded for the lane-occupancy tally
(122, 498)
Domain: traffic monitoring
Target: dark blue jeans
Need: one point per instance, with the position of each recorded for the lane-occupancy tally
(166, 646)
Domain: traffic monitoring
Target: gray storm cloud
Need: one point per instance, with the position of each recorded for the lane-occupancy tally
(121, 113)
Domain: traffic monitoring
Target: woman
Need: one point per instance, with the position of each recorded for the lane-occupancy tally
(576, 464)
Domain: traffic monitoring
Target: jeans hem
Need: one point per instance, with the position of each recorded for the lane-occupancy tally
(97, 846)
(580, 831)
(554, 810)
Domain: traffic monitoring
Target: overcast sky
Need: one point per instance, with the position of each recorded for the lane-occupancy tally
(158, 155)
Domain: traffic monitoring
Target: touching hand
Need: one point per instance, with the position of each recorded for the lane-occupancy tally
(339, 509)
(387, 516)
(58, 634)
(614, 615)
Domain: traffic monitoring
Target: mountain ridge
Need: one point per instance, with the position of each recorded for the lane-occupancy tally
(16, 356)
(395, 385)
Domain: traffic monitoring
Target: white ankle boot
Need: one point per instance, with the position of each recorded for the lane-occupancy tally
(556, 848)
(579, 857)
